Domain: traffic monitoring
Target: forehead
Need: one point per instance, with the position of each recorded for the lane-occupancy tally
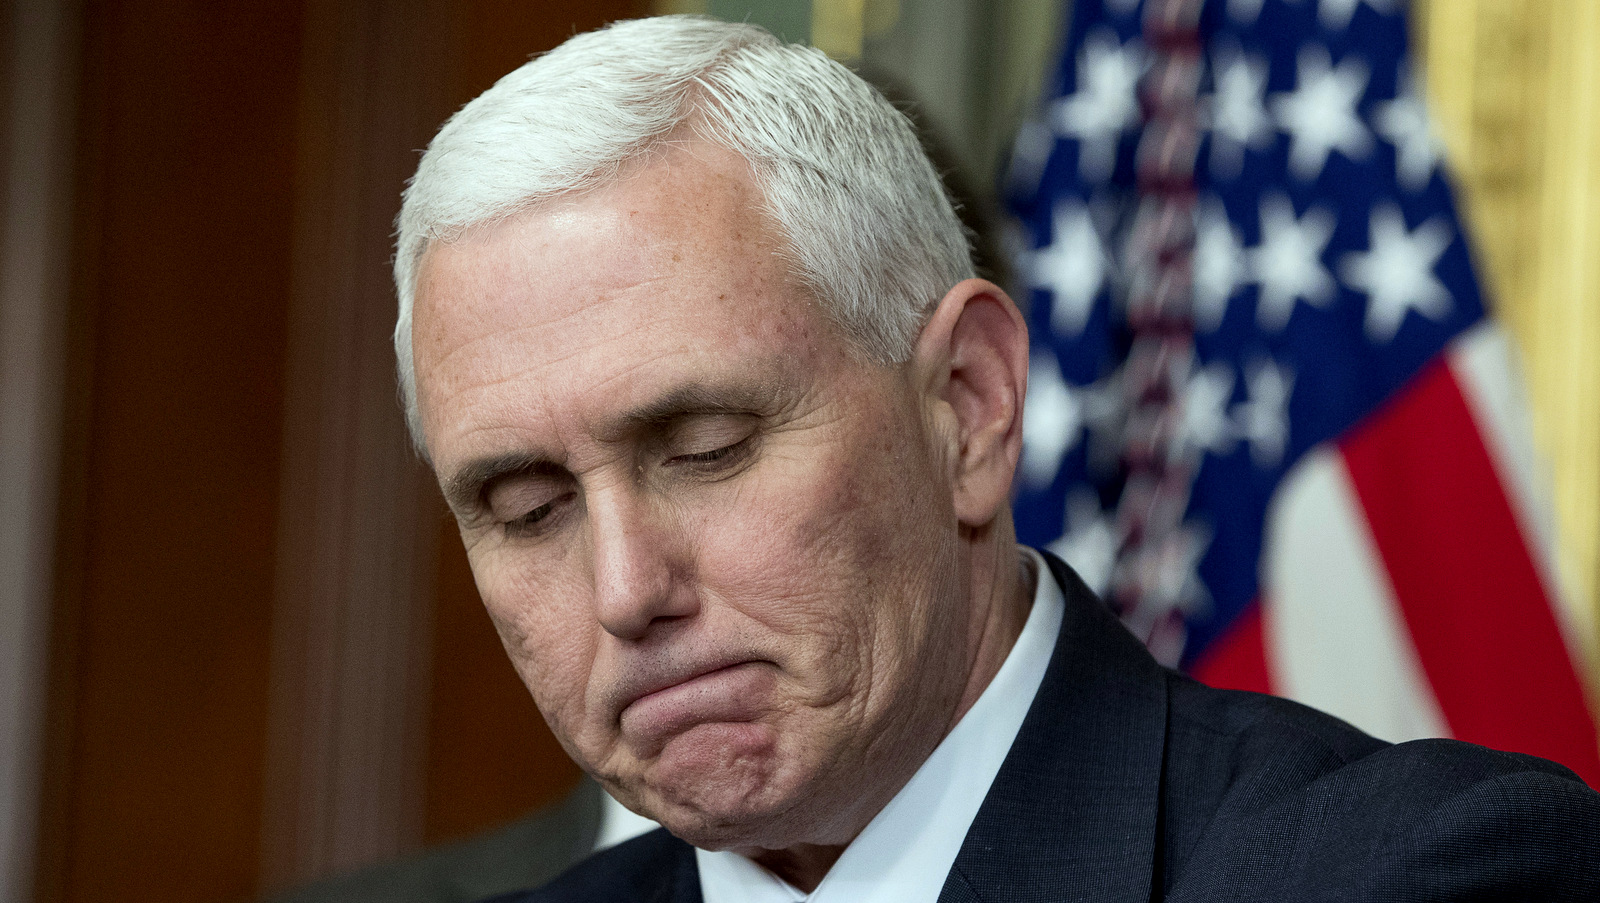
(590, 304)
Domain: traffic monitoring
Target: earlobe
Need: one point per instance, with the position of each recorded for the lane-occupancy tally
(973, 357)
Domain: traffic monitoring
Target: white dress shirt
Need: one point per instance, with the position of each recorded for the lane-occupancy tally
(905, 852)
(619, 823)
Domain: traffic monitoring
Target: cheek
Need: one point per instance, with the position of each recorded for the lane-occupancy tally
(823, 550)
(795, 524)
(549, 641)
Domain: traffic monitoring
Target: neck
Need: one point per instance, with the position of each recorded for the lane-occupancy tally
(803, 865)
(1003, 583)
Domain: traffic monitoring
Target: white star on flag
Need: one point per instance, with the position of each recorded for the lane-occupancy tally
(1219, 265)
(1106, 102)
(1403, 122)
(1072, 267)
(1203, 425)
(1167, 577)
(1029, 154)
(1236, 110)
(1177, 576)
(1288, 262)
(1088, 541)
(1263, 420)
(1335, 14)
(1320, 114)
(1052, 419)
(1397, 273)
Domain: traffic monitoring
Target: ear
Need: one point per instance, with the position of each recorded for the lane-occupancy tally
(972, 361)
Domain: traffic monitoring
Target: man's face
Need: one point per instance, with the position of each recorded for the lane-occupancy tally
(719, 548)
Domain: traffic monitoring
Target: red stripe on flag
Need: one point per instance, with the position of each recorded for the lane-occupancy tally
(1464, 578)
(1237, 659)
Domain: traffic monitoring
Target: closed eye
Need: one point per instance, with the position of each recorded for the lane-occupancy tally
(706, 457)
(534, 522)
(716, 459)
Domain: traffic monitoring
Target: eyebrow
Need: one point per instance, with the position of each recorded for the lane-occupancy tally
(464, 488)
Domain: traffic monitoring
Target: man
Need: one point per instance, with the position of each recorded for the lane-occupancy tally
(689, 332)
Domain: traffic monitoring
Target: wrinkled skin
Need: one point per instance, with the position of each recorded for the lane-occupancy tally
(742, 571)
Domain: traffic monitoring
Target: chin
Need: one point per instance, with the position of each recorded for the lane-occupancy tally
(737, 828)
(726, 786)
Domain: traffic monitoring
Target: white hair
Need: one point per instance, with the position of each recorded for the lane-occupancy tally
(867, 225)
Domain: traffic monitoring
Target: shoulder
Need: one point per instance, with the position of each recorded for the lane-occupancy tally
(652, 868)
(1222, 743)
(1267, 794)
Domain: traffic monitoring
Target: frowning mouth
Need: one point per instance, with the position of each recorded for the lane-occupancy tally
(672, 679)
(659, 708)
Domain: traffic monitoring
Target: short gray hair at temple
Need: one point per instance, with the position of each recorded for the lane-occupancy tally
(868, 227)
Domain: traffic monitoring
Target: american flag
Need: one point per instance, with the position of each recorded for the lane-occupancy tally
(1268, 415)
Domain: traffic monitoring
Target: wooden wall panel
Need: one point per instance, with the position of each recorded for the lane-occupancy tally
(37, 100)
(181, 266)
(355, 530)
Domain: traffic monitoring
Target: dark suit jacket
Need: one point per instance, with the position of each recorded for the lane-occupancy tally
(1131, 783)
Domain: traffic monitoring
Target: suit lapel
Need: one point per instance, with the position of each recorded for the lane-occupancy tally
(651, 868)
(685, 884)
(1073, 812)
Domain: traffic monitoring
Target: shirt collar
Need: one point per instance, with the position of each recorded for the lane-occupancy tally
(619, 823)
(906, 851)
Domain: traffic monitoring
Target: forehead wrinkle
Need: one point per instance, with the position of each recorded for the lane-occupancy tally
(489, 328)
(491, 254)
(694, 394)
(515, 351)
(681, 390)
(594, 415)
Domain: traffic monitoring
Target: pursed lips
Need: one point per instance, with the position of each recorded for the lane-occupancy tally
(654, 706)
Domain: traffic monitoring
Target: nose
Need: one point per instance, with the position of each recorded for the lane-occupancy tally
(640, 573)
